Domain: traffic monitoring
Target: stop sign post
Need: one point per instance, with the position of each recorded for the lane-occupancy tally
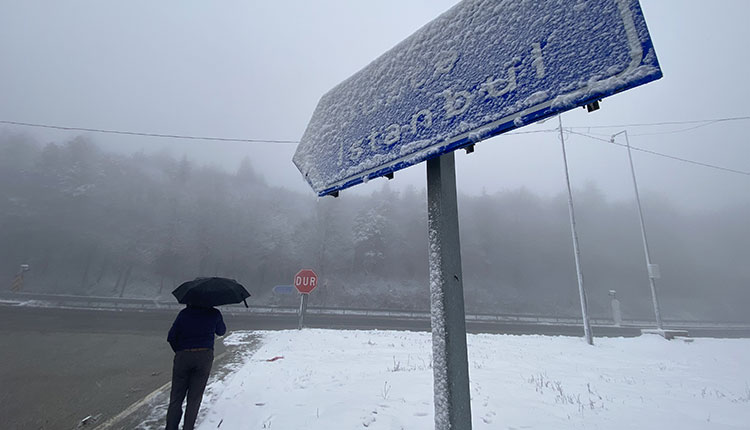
(304, 281)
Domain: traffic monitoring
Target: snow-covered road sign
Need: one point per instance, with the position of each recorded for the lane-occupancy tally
(482, 68)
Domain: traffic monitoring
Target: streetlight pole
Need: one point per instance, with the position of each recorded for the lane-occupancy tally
(651, 268)
(576, 251)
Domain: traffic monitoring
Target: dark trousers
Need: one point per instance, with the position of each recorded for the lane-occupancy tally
(189, 376)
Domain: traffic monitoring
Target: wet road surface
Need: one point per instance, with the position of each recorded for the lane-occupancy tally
(58, 366)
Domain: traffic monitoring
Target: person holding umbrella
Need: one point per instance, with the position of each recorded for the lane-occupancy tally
(192, 339)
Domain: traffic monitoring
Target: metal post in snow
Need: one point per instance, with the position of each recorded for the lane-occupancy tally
(448, 320)
(576, 250)
(616, 313)
(302, 310)
(650, 267)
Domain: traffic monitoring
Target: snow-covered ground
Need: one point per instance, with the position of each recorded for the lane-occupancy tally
(330, 379)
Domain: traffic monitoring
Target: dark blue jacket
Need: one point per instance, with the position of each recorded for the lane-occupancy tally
(195, 328)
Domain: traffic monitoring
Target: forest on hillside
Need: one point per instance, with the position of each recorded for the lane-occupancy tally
(93, 222)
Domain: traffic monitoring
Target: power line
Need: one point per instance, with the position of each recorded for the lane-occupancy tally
(701, 123)
(160, 135)
(546, 130)
(682, 130)
(654, 124)
(179, 136)
(695, 124)
(658, 133)
(685, 160)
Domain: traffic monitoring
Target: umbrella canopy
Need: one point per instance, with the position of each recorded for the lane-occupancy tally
(208, 292)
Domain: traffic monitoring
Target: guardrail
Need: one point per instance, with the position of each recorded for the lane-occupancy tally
(117, 303)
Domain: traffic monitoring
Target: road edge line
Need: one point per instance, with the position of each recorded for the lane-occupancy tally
(132, 408)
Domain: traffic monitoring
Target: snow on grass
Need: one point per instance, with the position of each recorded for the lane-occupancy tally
(330, 379)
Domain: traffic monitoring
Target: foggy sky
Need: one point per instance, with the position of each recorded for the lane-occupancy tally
(256, 70)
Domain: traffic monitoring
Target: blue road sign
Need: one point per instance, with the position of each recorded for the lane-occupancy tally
(283, 289)
(482, 68)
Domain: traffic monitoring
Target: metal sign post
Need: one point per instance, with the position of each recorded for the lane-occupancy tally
(449, 353)
(302, 310)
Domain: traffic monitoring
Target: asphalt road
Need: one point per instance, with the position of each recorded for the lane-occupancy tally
(58, 366)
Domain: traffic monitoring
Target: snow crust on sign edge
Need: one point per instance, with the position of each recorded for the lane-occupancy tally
(419, 150)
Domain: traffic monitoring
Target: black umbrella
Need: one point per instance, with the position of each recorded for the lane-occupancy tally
(208, 292)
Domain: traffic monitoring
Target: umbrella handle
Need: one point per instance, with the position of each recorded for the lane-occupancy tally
(245, 301)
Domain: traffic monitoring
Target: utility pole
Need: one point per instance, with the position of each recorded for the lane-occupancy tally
(576, 250)
(653, 269)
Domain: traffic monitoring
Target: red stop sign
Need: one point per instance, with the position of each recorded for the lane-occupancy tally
(305, 281)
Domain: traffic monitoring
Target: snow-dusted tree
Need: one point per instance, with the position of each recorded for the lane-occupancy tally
(369, 245)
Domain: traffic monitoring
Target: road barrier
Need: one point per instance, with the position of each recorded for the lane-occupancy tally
(118, 303)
